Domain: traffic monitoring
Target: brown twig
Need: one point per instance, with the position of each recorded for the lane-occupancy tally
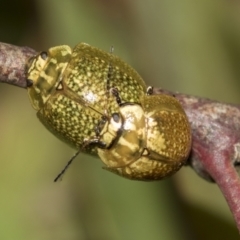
(215, 153)
(12, 64)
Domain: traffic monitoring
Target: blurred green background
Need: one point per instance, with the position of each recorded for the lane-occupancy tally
(185, 46)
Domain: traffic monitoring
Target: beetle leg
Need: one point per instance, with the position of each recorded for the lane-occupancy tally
(149, 90)
(100, 125)
(95, 142)
(115, 93)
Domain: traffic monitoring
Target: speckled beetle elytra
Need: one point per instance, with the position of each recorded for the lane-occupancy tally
(97, 103)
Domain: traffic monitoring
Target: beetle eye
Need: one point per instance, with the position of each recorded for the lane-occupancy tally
(116, 117)
(44, 55)
(29, 82)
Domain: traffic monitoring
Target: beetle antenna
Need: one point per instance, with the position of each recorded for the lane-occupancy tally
(60, 175)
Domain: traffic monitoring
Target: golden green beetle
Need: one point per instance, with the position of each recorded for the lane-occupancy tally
(97, 103)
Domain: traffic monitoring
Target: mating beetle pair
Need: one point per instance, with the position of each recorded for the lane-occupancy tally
(97, 103)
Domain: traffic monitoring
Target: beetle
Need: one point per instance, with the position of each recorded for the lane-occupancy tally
(97, 103)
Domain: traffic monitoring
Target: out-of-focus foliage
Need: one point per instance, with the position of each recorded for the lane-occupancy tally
(191, 47)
